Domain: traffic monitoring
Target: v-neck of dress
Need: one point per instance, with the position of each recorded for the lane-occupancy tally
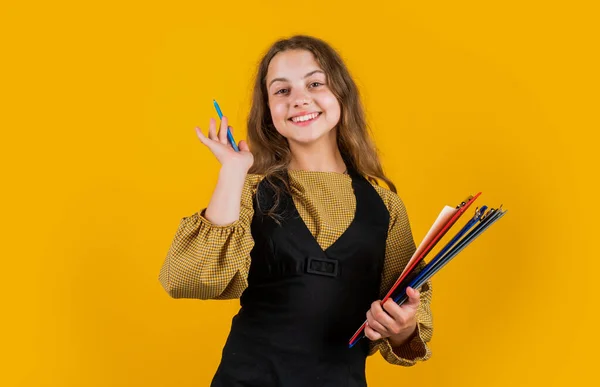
(301, 224)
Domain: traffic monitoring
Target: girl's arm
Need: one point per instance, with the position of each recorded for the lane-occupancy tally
(210, 261)
(400, 247)
(210, 254)
(224, 205)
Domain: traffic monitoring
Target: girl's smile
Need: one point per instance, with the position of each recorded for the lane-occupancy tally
(305, 119)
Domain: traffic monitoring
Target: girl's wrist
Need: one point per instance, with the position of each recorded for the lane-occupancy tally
(404, 337)
(234, 171)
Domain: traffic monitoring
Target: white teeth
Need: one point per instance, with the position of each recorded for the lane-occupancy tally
(305, 118)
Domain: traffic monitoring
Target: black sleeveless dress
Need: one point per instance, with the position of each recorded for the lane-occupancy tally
(303, 303)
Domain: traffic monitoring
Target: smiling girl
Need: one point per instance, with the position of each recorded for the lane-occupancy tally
(299, 229)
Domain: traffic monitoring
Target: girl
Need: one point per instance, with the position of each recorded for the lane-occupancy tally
(300, 230)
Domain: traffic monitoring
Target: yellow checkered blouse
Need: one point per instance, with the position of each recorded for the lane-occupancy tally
(206, 261)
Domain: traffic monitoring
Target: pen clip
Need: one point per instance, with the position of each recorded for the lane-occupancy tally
(479, 212)
(463, 203)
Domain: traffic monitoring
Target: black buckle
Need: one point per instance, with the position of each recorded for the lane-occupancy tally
(322, 266)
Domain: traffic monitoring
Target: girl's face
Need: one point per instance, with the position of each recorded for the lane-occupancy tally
(302, 106)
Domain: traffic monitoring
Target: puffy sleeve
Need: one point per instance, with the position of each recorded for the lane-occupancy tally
(206, 261)
(400, 247)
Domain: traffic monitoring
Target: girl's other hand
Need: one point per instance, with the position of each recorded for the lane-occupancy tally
(222, 149)
(391, 320)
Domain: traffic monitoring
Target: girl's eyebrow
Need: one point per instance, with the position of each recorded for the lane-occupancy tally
(286, 80)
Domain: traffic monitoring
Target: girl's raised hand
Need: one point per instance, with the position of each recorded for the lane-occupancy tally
(222, 149)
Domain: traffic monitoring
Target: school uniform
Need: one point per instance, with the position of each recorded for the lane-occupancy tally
(306, 284)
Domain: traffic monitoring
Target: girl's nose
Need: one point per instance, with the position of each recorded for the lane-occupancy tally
(301, 99)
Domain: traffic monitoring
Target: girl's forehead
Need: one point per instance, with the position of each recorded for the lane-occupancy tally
(292, 64)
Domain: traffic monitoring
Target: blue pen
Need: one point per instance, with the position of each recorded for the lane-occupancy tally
(229, 135)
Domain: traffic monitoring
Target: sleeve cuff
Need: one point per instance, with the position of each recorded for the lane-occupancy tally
(409, 353)
(207, 223)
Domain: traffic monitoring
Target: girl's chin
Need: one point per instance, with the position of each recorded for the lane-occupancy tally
(309, 138)
(306, 134)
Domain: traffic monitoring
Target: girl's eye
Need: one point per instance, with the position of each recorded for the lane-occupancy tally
(313, 84)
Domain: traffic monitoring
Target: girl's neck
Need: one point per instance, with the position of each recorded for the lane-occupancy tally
(320, 157)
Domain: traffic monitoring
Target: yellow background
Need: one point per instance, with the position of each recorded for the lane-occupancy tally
(100, 161)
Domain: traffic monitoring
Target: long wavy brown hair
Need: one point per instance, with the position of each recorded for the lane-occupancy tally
(271, 150)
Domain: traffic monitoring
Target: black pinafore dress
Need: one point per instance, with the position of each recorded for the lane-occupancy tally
(303, 303)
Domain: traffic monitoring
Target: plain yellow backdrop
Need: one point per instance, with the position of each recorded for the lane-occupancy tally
(100, 162)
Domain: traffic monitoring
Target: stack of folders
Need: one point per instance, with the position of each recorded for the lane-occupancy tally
(415, 278)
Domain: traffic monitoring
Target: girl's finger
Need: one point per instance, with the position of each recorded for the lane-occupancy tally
(375, 325)
(212, 130)
(381, 315)
(371, 334)
(205, 140)
(414, 298)
(400, 314)
(200, 135)
(243, 146)
(393, 309)
(223, 131)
